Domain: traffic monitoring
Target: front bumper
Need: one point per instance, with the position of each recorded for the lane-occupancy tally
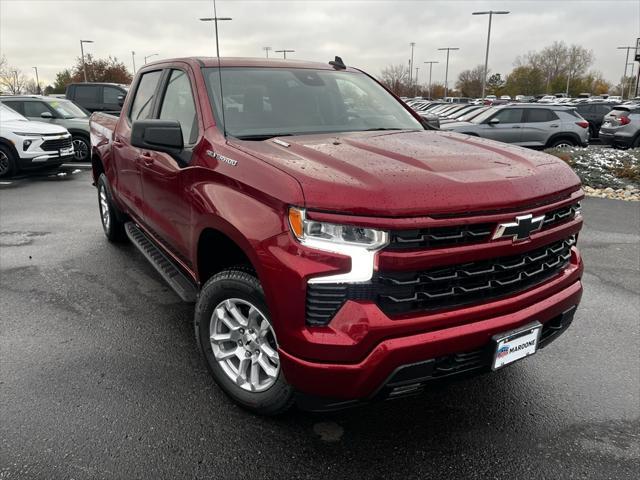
(44, 160)
(344, 382)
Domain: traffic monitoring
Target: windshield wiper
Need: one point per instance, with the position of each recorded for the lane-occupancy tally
(262, 136)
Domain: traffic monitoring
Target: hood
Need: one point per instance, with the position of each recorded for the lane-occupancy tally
(417, 173)
(80, 123)
(33, 127)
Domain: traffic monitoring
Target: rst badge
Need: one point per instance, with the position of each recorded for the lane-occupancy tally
(521, 229)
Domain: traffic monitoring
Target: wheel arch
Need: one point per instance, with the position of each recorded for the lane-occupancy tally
(6, 143)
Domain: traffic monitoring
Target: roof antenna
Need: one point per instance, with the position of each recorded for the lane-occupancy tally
(215, 22)
(338, 64)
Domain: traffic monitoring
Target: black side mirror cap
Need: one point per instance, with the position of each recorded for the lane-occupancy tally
(158, 135)
(121, 100)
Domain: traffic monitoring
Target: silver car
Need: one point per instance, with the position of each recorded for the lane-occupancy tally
(621, 127)
(58, 111)
(528, 125)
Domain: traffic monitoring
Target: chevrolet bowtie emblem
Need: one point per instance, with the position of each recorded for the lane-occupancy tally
(521, 229)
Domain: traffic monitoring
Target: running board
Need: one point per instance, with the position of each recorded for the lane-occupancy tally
(182, 285)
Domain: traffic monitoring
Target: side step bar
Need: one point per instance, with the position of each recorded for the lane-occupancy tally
(182, 285)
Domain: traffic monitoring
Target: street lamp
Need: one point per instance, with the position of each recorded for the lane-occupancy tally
(84, 67)
(267, 50)
(446, 71)
(412, 45)
(415, 91)
(491, 13)
(430, 69)
(149, 56)
(215, 21)
(284, 52)
(626, 62)
(133, 59)
(37, 81)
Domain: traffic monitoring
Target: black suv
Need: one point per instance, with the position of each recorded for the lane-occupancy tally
(594, 112)
(97, 97)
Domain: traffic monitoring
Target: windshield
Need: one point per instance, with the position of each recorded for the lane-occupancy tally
(7, 114)
(68, 109)
(267, 102)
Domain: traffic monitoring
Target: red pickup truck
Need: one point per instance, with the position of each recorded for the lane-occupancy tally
(336, 249)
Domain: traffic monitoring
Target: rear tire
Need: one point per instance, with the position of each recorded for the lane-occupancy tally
(636, 142)
(110, 216)
(234, 333)
(8, 164)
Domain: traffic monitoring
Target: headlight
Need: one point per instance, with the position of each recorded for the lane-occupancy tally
(359, 243)
(27, 134)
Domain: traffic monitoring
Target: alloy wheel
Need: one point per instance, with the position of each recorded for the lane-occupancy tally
(104, 209)
(244, 345)
(80, 150)
(4, 164)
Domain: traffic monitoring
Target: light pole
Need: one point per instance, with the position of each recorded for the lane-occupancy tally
(430, 69)
(37, 81)
(84, 67)
(149, 56)
(215, 21)
(412, 45)
(491, 13)
(446, 71)
(133, 59)
(626, 62)
(284, 52)
(267, 50)
(415, 92)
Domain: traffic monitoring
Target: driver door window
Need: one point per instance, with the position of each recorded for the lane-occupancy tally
(178, 104)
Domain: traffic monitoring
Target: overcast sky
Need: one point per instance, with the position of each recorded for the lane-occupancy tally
(367, 34)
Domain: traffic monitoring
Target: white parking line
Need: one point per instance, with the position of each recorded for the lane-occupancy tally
(6, 183)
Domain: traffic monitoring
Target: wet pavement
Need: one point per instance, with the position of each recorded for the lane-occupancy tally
(100, 376)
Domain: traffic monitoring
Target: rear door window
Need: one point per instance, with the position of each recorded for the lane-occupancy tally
(539, 115)
(15, 105)
(86, 93)
(145, 94)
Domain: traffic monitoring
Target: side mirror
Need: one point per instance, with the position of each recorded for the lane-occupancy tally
(46, 115)
(159, 135)
(121, 100)
(494, 121)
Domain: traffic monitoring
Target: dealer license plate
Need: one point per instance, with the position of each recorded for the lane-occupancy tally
(516, 344)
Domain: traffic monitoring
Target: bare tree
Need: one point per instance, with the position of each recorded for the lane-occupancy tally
(395, 78)
(12, 80)
(470, 81)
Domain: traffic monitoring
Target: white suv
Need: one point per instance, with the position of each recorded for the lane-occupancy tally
(27, 145)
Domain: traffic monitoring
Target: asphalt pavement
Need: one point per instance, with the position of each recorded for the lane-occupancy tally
(100, 376)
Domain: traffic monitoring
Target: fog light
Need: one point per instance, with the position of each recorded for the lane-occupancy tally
(26, 144)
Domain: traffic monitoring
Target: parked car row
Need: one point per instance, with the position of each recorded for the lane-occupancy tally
(45, 131)
(530, 125)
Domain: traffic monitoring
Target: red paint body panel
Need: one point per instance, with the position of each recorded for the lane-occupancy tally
(386, 180)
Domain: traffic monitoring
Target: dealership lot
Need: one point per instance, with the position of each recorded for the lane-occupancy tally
(100, 375)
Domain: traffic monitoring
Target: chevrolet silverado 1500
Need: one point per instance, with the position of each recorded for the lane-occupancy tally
(336, 250)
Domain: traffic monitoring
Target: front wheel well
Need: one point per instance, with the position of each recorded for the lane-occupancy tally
(217, 252)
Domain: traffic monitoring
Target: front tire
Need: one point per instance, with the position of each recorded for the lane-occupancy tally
(235, 335)
(110, 216)
(563, 143)
(81, 148)
(8, 165)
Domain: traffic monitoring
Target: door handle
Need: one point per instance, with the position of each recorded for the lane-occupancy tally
(554, 126)
(516, 126)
